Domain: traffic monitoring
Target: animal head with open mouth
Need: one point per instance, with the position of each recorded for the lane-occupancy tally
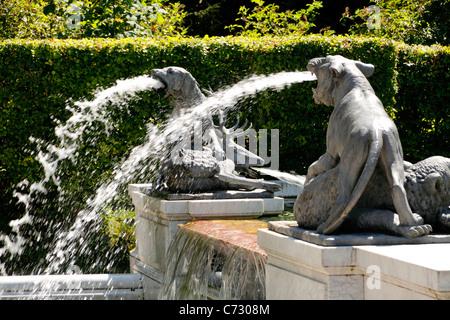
(177, 81)
(328, 70)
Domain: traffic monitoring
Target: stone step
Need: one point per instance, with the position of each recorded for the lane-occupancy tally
(77, 286)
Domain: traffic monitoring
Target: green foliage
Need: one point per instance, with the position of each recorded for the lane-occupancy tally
(422, 111)
(23, 19)
(120, 227)
(266, 19)
(40, 78)
(41, 19)
(415, 22)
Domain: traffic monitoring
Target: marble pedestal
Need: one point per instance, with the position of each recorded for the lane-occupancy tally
(298, 269)
(157, 222)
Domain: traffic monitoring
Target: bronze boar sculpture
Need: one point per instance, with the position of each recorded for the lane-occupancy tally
(360, 138)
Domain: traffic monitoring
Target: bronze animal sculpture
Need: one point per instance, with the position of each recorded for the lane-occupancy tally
(427, 185)
(360, 137)
(185, 170)
(199, 171)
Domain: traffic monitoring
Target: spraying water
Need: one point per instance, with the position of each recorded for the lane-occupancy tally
(143, 159)
(70, 137)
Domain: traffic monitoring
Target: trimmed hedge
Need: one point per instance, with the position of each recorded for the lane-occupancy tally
(39, 77)
(422, 109)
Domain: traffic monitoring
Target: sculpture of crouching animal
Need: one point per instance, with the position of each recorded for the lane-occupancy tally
(360, 137)
(427, 185)
(199, 171)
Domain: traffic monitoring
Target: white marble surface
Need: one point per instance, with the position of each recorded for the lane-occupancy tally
(414, 271)
(214, 209)
(204, 209)
(426, 265)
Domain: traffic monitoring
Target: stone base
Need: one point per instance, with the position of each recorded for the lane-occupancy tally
(152, 277)
(290, 228)
(298, 269)
(216, 205)
(157, 222)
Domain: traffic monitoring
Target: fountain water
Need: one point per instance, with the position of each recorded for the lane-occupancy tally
(216, 259)
(51, 157)
(73, 241)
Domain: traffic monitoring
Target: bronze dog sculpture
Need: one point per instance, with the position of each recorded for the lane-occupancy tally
(360, 137)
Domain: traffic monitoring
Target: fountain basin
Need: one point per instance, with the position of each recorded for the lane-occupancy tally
(216, 259)
(235, 233)
(158, 220)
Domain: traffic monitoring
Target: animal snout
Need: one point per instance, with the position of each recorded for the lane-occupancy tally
(158, 75)
(154, 73)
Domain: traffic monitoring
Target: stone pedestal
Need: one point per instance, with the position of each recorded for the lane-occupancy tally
(288, 192)
(297, 269)
(157, 222)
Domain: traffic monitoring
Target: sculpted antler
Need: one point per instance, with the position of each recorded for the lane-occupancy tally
(233, 131)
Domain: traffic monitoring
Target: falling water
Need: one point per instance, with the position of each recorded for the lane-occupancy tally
(201, 267)
(141, 160)
(50, 156)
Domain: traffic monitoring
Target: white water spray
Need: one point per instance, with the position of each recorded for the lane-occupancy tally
(142, 158)
(84, 114)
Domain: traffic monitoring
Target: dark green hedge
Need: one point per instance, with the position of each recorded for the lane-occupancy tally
(422, 110)
(39, 77)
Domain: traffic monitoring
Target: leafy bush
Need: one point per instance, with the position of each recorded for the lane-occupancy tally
(41, 19)
(23, 19)
(41, 78)
(422, 111)
(415, 22)
(265, 20)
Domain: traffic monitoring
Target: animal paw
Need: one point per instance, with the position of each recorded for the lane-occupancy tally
(414, 231)
(321, 228)
(445, 219)
(272, 186)
(417, 219)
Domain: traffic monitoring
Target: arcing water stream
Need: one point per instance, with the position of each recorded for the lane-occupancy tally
(74, 241)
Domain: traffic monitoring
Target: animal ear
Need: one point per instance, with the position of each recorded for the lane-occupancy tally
(366, 68)
(313, 63)
(336, 69)
(187, 83)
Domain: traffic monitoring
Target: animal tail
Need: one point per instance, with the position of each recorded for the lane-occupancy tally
(376, 145)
